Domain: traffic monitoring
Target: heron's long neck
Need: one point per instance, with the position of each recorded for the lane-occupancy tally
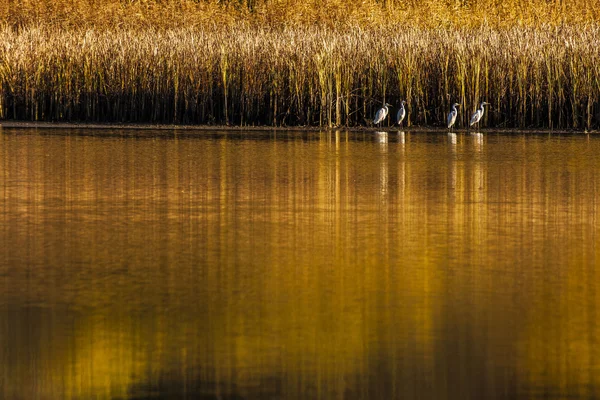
(481, 108)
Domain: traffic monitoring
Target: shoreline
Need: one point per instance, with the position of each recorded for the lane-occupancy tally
(239, 128)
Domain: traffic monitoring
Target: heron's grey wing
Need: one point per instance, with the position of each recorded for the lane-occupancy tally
(400, 115)
(451, 118)
(379, 116)
(474, 118)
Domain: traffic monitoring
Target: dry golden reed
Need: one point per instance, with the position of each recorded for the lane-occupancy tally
(265, 63)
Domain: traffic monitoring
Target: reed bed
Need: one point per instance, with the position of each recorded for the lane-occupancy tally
(542, 76)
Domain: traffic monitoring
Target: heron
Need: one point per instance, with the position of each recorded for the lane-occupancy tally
(452, 115)
(401, 113)
(478, 114)
(381, 114)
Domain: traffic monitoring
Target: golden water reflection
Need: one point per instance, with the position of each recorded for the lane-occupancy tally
(298, 265)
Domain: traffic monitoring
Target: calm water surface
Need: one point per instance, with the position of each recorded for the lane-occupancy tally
(298, 265)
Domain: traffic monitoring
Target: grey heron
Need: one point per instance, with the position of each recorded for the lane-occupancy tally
(452, 115)
(477, 114)
(381, 114)
(401, 113)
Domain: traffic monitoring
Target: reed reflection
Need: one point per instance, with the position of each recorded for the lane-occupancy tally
(298, 265)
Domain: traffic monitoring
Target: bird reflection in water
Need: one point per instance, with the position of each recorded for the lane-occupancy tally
(381, 137)
(401, 137)
(452, 138)
(477, 140)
